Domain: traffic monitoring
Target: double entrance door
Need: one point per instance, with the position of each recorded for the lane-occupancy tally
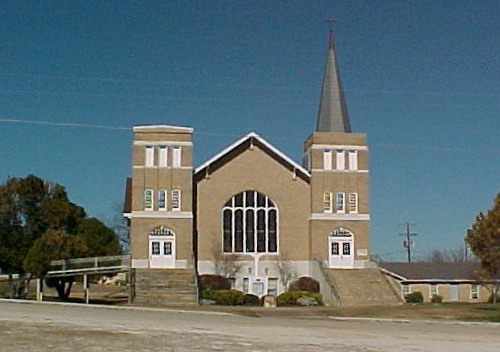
(340, 250)
(162, 250)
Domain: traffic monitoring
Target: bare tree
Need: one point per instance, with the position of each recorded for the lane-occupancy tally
(446, 256)
(120, 226)
(226, 265)
(285, 270)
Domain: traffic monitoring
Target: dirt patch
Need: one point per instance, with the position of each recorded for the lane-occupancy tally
(118, 295)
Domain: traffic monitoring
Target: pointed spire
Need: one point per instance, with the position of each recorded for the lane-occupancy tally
(332, 114)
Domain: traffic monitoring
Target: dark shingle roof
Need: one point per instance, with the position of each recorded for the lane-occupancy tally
(332, 113)
(433, 271)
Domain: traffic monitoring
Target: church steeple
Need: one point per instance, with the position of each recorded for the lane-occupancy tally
(332, 113)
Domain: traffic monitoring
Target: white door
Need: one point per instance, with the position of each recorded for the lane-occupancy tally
(340, 249)
(161, 252)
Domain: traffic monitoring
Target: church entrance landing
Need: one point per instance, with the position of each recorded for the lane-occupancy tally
(161, 248)
(341, 249)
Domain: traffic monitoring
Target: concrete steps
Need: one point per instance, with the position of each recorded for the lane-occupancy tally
(362, 287)
(172, 287)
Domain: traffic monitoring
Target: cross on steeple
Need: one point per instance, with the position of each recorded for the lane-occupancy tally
(331, 21)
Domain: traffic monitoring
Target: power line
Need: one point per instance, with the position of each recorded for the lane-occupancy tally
(64, 124)
(408, 243)
(219, 134)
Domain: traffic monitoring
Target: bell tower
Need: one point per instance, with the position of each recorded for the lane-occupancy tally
(161, 218)
(337, 160)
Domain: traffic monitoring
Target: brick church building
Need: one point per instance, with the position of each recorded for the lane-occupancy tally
(252, 213)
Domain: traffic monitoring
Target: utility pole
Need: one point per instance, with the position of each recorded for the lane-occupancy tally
(408, 243)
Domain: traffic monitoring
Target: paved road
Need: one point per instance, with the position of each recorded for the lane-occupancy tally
(49, 327)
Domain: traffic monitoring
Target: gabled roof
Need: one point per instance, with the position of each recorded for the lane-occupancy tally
(461, 271)
(332, 113)
(249, 141)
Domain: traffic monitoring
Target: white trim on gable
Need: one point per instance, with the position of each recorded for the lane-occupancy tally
(242, 140)
(152, 127)
(340, 147)
(164, 143)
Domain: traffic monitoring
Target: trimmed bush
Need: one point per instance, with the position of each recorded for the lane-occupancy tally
(305, 283)
(214, 282)
(414, 297)
(224, 297)
(251, 300)
(290, 298)
(436, 299)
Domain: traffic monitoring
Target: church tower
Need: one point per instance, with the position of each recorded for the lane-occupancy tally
(337, 160)
(160, 214)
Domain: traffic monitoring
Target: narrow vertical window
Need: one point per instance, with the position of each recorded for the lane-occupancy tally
(155, 248)
(162, 156)
(346, 248)
(340, 202)
(238, 200)
(474, 291)
(327, 160)
(261, 200)
(335, 248)
(150, 156)
(327, 202)
(148, 199)
(340, 160)
(176, 156)
(250, 231)
(238, 230)
(433, 290)
(176, 200)
(228, 231)
(272, 243)
(261, 231)
(353, 160)
(405, 289)
(353, 203)
(250, 198)
(167, 248)
(162, 199)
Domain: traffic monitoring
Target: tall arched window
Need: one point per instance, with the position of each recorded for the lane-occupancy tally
(250, 224)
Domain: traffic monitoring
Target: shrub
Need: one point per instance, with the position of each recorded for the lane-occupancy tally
(304, 283)
(251, 300)
(224, 297)
(414, 297)
(290, 298)
(214, 282)
(436, 299)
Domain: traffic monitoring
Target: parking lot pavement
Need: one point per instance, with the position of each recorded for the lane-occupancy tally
(50, 327)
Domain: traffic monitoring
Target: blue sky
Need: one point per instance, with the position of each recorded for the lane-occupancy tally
(422, 79)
